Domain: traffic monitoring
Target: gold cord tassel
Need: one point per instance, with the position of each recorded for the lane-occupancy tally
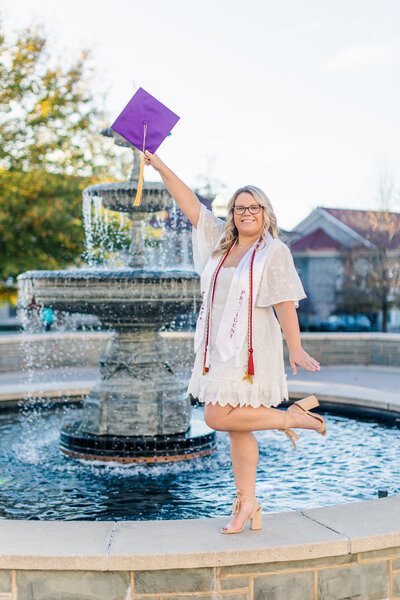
(140, 184)
(249, 377)
(141, 173)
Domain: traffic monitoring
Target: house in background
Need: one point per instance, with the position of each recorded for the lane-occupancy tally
(319, 245)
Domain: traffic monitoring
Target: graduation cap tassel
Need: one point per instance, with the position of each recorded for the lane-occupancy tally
(141, 173)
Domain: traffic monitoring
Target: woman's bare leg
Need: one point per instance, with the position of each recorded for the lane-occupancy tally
(244, 454)
(247, 418)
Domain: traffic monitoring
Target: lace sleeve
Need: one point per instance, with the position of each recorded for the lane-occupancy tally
(205, 237)
(280, 281)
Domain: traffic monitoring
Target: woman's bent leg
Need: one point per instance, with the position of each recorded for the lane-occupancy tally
(247, 418)
(244, 454)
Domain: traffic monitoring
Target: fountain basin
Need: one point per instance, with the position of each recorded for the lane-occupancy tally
(120, 196)
(138, 395)
(129, 298)
(136, 449)
(350, 549)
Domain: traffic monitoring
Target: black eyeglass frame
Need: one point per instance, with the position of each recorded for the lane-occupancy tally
(242, 209)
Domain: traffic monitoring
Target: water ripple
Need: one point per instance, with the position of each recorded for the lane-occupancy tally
(355, 460)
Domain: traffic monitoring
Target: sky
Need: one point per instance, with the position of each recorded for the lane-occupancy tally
(298, 98)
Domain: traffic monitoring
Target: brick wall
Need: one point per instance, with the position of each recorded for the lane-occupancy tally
(371, 575)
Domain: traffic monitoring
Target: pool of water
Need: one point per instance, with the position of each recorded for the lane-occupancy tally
(355, 460)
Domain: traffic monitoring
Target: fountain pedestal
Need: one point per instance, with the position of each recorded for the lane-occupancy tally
(138, 410)
(138, 384)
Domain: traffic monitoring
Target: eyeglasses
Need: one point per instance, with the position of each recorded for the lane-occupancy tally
(253, 210)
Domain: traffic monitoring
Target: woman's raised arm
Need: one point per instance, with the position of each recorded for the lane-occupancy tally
(185, 198)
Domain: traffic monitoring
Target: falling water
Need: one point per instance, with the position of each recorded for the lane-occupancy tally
(107, 236)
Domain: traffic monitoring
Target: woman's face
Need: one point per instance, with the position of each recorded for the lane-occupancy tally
(248, 224)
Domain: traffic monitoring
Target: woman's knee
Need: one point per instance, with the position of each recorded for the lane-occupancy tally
(214, 417)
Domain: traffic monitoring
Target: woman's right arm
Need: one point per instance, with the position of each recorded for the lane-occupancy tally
(185, 198)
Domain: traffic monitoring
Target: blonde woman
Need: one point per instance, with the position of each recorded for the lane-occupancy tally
(246, 272)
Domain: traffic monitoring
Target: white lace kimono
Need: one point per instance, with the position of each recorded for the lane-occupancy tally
(280, 282)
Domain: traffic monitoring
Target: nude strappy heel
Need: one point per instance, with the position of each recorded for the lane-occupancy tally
(256, 515)
(305, 404)
(310, 402)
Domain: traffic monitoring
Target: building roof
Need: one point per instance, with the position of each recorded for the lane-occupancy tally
(378, 227)
(317, 240)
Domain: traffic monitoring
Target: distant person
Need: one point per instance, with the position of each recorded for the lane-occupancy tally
(33, 305)
(246, 272)
(34, 315)
(47, 318)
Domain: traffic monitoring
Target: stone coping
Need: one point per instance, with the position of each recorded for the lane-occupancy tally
(330, 391)
(310, 335)
(20, 338)
(152, 545)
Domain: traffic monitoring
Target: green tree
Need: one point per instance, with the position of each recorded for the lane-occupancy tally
(50, 149)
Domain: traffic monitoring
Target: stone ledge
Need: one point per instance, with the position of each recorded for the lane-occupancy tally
(198, 543)
(64, 348)
(56, 545)
(331, 531)
(314, 335)
(369, 525)
(49, 394)
(328, 392)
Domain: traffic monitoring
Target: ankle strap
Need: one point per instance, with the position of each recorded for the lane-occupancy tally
(241, 496)
(284, 427)
(238, 499)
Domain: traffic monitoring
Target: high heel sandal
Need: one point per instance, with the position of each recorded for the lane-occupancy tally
(310, 402)
(305, 404)
(256, 515)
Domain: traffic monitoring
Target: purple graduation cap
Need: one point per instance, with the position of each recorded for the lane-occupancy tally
(145, 122)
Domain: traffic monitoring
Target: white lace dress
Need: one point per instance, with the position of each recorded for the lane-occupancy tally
(280, 282)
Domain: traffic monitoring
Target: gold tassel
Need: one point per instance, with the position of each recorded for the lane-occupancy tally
(141, 173)
(140, 184)
(249, 377)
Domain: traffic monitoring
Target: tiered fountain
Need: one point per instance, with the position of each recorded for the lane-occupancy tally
(138, 411)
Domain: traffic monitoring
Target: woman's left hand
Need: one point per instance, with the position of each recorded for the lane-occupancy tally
(302, 359)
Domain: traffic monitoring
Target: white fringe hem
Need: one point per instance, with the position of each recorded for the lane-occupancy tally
(236, 393)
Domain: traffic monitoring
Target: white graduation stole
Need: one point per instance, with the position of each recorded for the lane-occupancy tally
(235, 322)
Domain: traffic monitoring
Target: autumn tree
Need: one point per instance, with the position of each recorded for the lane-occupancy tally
(50, 149)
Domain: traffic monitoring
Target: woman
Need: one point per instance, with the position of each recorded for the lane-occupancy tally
(246, 272)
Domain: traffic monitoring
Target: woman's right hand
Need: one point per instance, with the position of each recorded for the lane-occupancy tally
(153, 160)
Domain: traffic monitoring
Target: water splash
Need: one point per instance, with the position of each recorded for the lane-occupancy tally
(108, 235)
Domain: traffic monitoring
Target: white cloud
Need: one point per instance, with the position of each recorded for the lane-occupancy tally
(362, 56)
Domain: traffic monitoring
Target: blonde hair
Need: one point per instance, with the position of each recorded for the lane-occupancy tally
(231, 232)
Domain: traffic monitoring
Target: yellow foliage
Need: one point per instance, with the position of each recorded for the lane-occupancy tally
(153, 232)
(45, 108)
(162, 215)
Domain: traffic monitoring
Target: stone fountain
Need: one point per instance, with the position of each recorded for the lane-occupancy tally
(138, 411)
